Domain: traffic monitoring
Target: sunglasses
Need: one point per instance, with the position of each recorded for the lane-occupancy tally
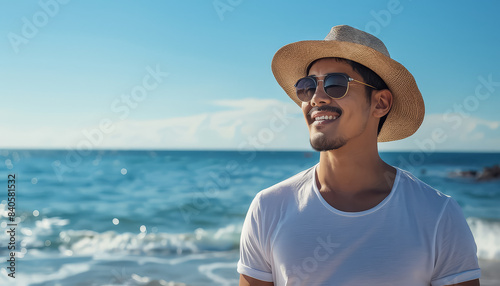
(335, 85)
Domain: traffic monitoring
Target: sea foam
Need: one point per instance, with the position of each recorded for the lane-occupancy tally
(87, 242)
(487, 236)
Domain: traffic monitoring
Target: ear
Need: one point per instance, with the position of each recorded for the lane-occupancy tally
(381, 102)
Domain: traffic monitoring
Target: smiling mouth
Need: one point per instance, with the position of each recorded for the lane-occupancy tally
(324, 120)
(325, 117)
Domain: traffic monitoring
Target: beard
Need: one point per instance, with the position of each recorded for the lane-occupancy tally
(321, 143)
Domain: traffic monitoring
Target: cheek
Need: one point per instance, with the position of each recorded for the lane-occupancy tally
(355, 112)
(305, 110)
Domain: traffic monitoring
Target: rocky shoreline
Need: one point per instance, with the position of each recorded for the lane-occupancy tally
(487, 174)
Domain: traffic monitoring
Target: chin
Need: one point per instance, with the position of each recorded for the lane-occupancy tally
(320, 143)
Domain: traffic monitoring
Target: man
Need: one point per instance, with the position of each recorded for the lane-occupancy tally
(353, 219)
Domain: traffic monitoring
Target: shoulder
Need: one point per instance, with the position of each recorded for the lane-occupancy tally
(419, 196)
(271, 205)
(286, 191)
(412, 185)
(290, 185)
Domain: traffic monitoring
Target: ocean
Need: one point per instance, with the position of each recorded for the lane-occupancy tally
(175, 217)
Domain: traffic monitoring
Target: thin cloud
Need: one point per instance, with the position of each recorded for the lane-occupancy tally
(451, 132)
(248, 123)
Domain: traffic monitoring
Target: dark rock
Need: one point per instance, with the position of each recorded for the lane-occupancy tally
(464, 174)
(488, 173)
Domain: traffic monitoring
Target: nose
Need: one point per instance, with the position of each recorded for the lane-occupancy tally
(320, 97)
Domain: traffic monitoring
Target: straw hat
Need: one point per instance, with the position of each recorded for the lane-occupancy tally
(407, 113)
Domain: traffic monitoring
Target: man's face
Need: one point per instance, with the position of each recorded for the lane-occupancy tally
(352, 112)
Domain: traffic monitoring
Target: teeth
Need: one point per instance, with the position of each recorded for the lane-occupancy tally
(325, 117)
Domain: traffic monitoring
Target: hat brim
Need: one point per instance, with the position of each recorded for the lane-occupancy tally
(407, 112)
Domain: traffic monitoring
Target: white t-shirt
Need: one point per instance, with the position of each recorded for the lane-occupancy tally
(415, 236)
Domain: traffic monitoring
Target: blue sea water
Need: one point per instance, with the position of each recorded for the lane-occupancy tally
(152, 217)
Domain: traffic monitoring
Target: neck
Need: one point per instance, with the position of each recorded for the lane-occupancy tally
(351, 170)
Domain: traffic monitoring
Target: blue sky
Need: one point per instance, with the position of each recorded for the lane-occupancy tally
(200, 71)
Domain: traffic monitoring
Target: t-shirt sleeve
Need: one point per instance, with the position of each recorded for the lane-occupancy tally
(456, 252)
(254, 260)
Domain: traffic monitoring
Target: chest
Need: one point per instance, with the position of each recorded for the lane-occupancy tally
(325, 249)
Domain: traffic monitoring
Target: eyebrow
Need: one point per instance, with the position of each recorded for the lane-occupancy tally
(324, 74)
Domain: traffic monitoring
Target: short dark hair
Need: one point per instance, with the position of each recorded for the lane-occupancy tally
(369, 77)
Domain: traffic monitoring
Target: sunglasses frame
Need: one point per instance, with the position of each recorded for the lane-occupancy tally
(346, 76)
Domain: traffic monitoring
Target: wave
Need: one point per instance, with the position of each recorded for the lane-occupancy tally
(86, 242)
(487, 236)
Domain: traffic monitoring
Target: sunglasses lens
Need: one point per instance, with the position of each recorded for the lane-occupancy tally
(305, 88)
(336, 85)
